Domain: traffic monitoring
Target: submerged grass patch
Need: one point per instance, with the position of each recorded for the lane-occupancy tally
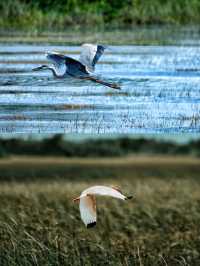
(40, 225)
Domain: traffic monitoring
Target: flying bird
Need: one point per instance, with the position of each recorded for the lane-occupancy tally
(83, 68)
(87, 202)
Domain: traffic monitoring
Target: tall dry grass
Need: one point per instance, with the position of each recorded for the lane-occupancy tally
(40, 225)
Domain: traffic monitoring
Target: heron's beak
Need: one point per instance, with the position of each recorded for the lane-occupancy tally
(37, 68)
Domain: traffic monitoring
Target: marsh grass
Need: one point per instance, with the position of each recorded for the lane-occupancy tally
(132, 35)
(59, 14)
(40, 225)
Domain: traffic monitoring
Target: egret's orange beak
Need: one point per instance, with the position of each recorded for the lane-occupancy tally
(76, 199)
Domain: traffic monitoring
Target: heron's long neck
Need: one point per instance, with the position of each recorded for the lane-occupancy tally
(53, 71)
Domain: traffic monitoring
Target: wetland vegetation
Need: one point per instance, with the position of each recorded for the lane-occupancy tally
(38, 14)
(40, 225)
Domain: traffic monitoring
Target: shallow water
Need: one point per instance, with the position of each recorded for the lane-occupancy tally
(160, 91)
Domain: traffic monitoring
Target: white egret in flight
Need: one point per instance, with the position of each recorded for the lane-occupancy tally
(87, 202)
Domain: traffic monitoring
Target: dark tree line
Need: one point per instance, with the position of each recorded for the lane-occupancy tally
(59, 146)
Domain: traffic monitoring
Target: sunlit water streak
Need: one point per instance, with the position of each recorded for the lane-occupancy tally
(160, 91)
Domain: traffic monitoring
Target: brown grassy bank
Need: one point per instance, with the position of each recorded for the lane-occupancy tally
(40, 225)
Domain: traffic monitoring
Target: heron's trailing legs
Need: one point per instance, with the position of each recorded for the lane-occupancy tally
(111, 85)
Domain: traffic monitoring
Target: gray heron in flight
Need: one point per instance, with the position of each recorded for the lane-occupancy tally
(83, 68)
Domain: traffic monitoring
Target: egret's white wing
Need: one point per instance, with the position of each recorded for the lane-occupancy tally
(103, 191)
(87, 207)
(90, 54)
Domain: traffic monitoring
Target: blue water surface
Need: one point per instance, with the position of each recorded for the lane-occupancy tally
(160, 91)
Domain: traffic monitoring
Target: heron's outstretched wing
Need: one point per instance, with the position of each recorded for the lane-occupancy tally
(58, 60)
(87, 207)
(67, 65)
(90, 55)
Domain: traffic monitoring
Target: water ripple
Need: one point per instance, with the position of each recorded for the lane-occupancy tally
(160, 92)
